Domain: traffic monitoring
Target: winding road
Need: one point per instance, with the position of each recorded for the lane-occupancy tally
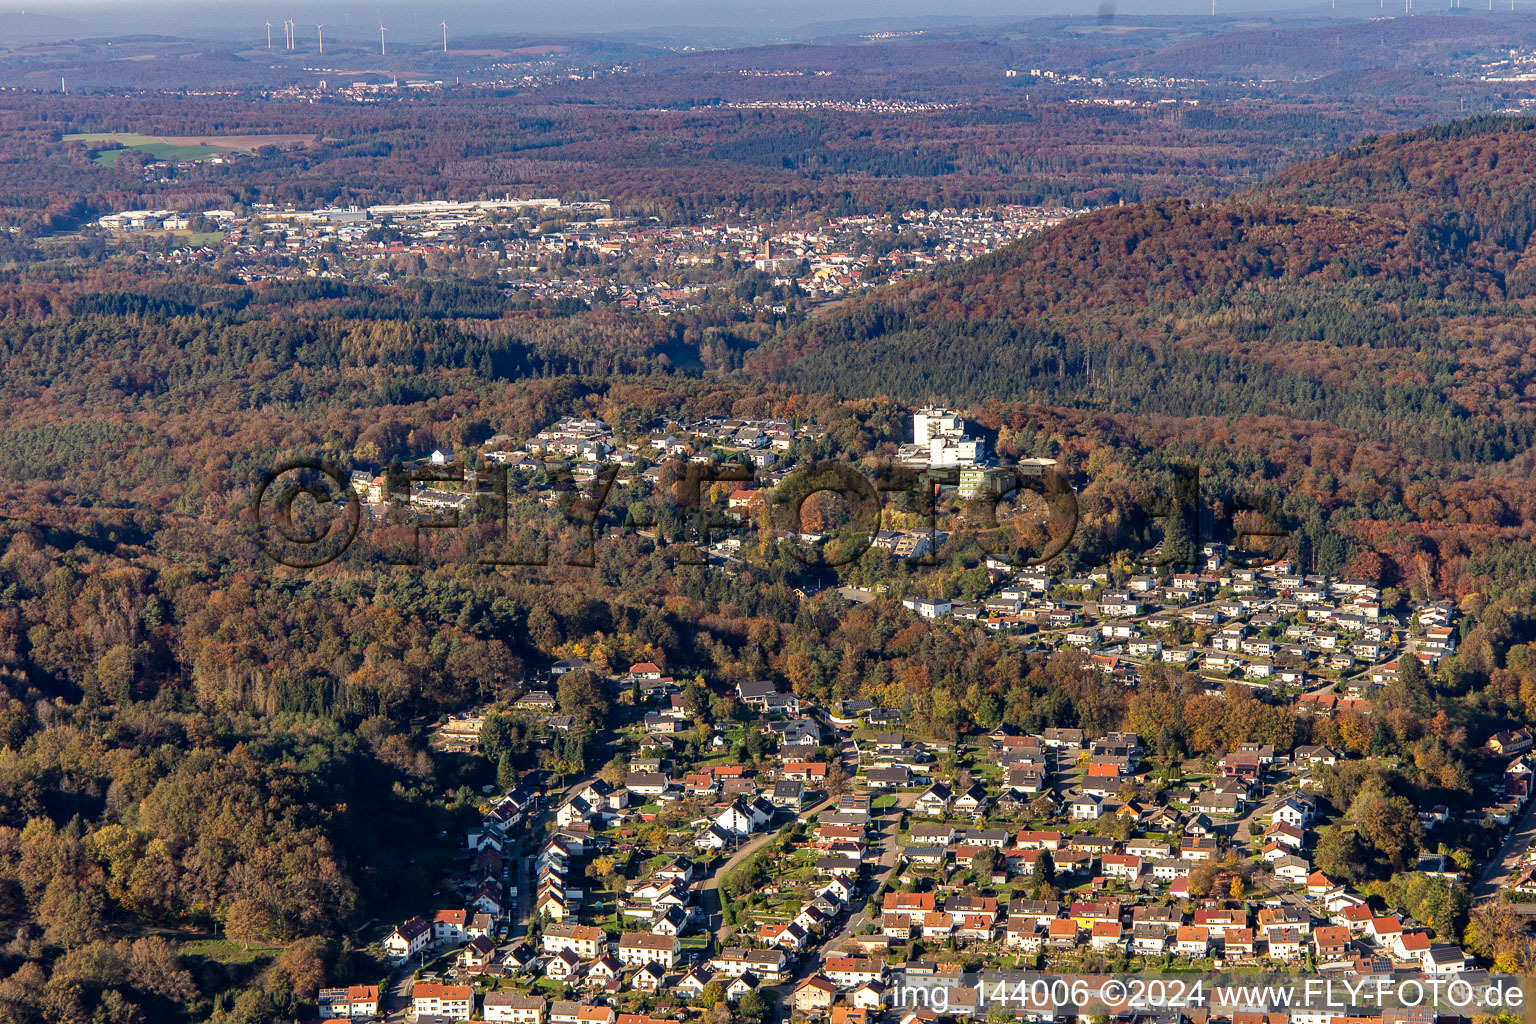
(708, 888)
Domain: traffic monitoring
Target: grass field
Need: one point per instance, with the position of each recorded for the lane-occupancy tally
(173, 147)
(155, 147)
(225, 952)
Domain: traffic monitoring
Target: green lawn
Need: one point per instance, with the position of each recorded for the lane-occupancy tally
(156, 148)
(441, 963)
(224, 951)
(125, 138)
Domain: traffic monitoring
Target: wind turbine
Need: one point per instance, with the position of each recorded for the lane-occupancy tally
(445, 33)
(321, 34)
(269, 32)
(382, 30)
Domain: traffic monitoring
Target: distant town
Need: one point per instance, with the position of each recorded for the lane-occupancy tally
(549, 250)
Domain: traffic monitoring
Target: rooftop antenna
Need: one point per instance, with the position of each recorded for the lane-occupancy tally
(321, 34)
(382, 30)
(269, 32)
(445, 34)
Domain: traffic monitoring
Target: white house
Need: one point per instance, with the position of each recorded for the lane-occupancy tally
(637, 948)
(408, 939)
(1087, 808)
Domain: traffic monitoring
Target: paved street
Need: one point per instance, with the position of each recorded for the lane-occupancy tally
(525, 854)
(890, 855)
(708, 888)
(1500, 869)
(397, 998)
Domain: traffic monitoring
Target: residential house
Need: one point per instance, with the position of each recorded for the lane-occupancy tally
(1330, 942)
(814, 996)
(637, 948)
(1087, 808)
(934, 801)
(1106, 935)
(1384, 931)
(739, 988)
(1192, 941)
(454, 1002)
(512, 1006)
(585, 941)
(1238, 944)
(355, 1001)
(477, 954)
(649, 979)
(1441, 959)
(1148, 939)
(408, 939)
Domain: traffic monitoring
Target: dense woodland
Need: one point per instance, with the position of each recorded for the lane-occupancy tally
(1356, 291)
(679, 163)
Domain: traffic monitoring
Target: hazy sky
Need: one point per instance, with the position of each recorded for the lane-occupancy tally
(418, 18)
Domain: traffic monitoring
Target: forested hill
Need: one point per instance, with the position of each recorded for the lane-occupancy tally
(1388, 288)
